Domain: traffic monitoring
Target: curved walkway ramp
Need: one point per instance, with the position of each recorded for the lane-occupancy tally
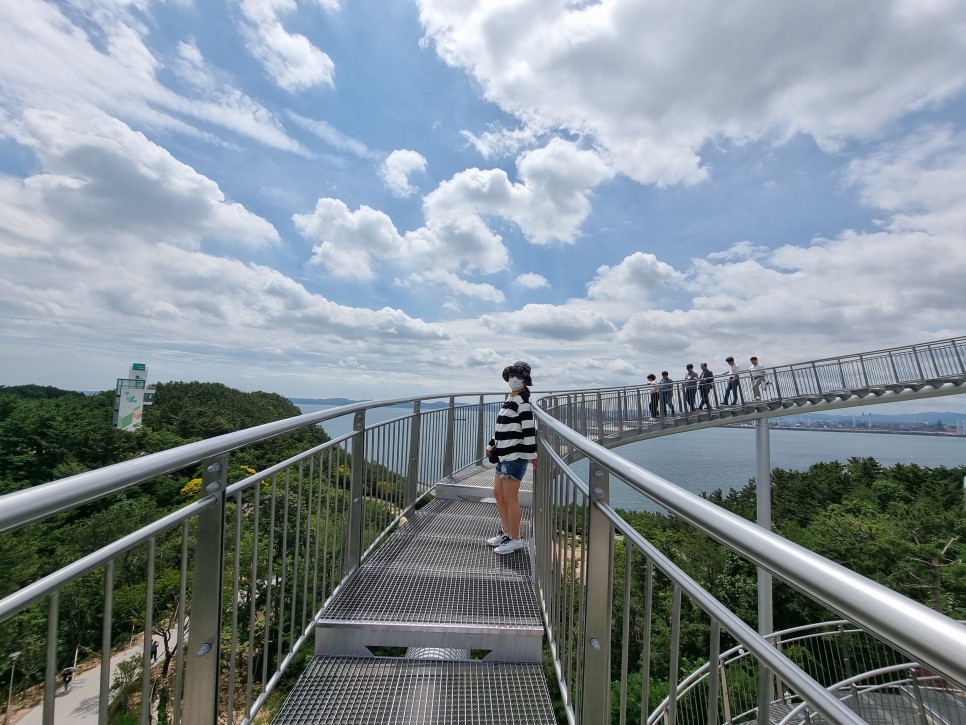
(616, 416)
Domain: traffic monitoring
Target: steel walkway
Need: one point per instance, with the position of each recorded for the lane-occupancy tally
(617, 416)
(415, 620)
(468, 620)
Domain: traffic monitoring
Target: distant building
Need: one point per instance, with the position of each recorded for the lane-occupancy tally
(130, 396)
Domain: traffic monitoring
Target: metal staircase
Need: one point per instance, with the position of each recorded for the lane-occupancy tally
(468, 619)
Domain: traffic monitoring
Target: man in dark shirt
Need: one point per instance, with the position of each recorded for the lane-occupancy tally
(707, 381)
(667, 394)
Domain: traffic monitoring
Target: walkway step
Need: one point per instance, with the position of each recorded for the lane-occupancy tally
(395, 691)
(436, 583)
(476, 483)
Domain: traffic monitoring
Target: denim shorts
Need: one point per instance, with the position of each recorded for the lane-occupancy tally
(512, 469)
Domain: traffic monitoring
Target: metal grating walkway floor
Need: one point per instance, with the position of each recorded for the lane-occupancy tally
(434, 585)
(437, 583)
(387, 691)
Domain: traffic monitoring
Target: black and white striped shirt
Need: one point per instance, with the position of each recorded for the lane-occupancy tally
(515, 435)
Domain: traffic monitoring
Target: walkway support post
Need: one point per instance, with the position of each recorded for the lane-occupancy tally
(357, 490)
(450, 438)
(204, 639)
(481, 439)
(763, 500)
(412, 481)
(598, 599)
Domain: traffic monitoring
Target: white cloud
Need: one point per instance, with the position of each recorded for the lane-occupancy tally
(651, 83)
(549, 205)
(501, 142)
(531, 280)
(100, 253)
(349, 241)
(450, 281)
(551, 321)
(858, 290)
(332, 136)
(290, 58)
(102, 178)
(637, 279)
(54, 64)
(397, 167)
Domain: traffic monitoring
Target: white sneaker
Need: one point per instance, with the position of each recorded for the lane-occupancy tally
(500, 538)
(510, 546)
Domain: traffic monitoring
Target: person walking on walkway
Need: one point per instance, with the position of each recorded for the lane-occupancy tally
(512, 447)
(733, 388)
(667, 394)
(758, 377)
(68, 674)
(707, 382)
(655, 391)
(154, 650)
(690, 386)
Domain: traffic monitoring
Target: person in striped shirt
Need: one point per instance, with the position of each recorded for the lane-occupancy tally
(512, 447)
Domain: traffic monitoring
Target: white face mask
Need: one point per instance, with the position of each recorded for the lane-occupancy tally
(515, 383)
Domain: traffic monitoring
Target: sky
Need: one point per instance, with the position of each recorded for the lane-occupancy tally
(384, 198)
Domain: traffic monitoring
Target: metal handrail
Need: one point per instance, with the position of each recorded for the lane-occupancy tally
(38, 502)
(316, 547)
(800, 710)
(937, 641)
(957, 344)
(362, 515)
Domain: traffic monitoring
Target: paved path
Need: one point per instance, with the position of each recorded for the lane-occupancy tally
(80, 703)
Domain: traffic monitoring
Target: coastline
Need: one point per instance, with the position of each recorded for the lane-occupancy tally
(878, 431)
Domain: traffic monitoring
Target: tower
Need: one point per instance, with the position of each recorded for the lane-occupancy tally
(130, 396)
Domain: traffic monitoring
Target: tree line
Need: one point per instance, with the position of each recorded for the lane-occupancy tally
(47, 434)
(902, 526)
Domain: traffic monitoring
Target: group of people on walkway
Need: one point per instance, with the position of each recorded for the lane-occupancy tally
(699, 387)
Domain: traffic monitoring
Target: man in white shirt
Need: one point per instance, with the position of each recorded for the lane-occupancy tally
(757, 371)
(732, 386)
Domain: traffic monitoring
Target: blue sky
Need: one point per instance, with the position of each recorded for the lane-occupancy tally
(379, 198)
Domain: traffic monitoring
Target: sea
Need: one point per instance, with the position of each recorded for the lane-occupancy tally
(702, 461)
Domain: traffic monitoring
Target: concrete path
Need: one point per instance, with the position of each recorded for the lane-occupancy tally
(80, 703)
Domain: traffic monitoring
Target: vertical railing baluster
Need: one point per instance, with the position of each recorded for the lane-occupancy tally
(675, 653)
(598, 602)
(50, 681)
(450, 430)
(626, 628)
(412, 480)
(646, 643)
(306, 557)
(481, 439)
(714, 666)
(959, 357)
(104, 694)
(818, 383)
(932, 357)
(600, 417)
(269, 580)
(146, 679)
(253, 593)
(203, 666)
(357, 491)
(235, 586)
(915, 356)
(180, 642)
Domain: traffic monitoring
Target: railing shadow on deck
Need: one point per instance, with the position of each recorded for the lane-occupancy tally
(255, 560)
